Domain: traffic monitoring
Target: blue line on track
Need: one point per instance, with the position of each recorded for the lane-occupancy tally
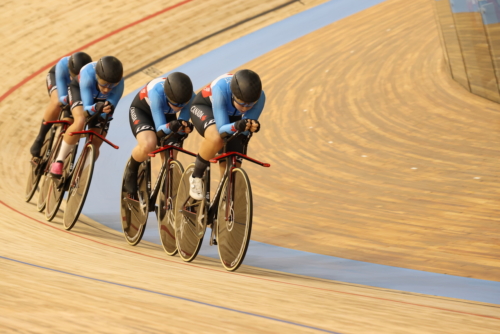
(172, 296)
(103, 200)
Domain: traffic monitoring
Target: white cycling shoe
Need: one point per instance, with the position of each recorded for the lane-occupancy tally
(196, 188)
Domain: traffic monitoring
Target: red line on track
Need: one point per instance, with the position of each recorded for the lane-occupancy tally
(242, 275)
(44, 68)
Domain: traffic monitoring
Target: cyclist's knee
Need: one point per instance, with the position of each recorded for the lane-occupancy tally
(213, 137)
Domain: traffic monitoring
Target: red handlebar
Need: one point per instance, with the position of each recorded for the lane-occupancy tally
(95, 134)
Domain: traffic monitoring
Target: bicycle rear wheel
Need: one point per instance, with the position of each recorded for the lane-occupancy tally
(189, 228)
(233, 234)
(135, 213)
(166, 201)
(57, 187)
(37, 168)
(79, 187)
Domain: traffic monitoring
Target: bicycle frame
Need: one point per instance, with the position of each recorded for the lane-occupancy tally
(170, 149)
(90, 136)
(231, 161)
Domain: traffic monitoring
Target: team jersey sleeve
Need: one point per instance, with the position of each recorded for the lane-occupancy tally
(116, 94)
(62, 82)
(184, 115)
(86, 82)
(220, 113)
(156, 103)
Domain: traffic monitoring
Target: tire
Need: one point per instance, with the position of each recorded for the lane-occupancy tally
(57, 187)
(37, 168)
(79, 187)
(233, 235)
(135, 214)
(188, 232)
(166, 213)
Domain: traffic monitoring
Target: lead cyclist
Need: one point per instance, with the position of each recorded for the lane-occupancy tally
(230, 103)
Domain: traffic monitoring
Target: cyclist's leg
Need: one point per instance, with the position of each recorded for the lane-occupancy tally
(51, 112)
(69, 142)
(142, 126)
(203, 120)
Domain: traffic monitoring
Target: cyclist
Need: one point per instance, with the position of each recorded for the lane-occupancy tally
(58, 79)
(230, 103)
(153, 115)
(98, 88)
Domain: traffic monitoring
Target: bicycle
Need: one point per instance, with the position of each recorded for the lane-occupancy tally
(81, 175)
(39, 165)
(135, 213)
(56, 187)
(229, 213)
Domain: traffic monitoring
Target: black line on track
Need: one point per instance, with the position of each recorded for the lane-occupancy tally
(209, 36)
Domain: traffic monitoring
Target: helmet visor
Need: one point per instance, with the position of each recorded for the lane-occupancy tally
(106, 84)
(244, 104)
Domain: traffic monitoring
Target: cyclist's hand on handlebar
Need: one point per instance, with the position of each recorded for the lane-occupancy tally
(108, 107)
(254, 125)
(187, 127)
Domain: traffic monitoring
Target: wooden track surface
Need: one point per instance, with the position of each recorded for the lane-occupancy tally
(379, 156)
(372, 208)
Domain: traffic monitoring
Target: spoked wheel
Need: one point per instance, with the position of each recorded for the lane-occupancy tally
(57, 187)
(190, 219)
(233, 234)
(166, 202)
(37, 167)
(135, 213)
(79, 187)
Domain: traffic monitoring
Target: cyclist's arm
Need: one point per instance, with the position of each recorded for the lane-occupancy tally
(157, 103)
(62, 82)
(86, 85)
(220, 113)
(116, 94)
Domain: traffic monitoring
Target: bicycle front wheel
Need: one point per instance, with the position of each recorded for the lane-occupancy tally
(37, 168)
(166, 203)
(79, 187)
(57, 187)
(234, 220)
(190, 219)
(135, 213)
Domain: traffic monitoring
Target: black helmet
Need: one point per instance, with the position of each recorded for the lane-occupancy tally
(178, 88)
(246, 86)
(77, 60)
(109, 69)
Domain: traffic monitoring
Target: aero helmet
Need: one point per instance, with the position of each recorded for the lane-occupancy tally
(77, 60)
(109, 69)
(246, 86)
(178, 88)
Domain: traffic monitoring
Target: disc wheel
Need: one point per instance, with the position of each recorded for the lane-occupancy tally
(37, 168)
(189, 227)
(79, 187)
(42, 195)
(135, 213)
(57, 187)
(233, 234)
(166, 202)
